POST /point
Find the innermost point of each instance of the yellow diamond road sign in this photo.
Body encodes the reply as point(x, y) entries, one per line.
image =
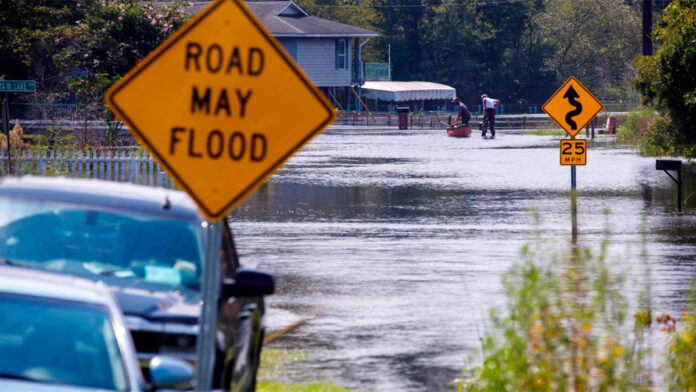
point(572, 106)
point(220, 105)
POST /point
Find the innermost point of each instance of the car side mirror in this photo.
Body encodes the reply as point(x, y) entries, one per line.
point(171, 373)
point(248, 283)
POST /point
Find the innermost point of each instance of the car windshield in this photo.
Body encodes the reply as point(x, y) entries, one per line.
point(59, 342)
point(158, 253)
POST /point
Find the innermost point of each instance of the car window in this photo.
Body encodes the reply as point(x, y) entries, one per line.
point(82, 241)
point(59, 342)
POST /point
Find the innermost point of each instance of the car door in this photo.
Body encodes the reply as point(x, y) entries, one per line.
point(240, 330)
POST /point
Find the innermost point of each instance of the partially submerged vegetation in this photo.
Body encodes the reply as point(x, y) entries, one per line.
point(681, 349)
point(569, 327)
point(653, 134)
point(274, 362)
point(547, 132)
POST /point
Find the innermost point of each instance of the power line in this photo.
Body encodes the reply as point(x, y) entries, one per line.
point(471, 2)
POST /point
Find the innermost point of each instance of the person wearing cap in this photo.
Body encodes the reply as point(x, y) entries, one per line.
point(462, 112)
point(489, 105)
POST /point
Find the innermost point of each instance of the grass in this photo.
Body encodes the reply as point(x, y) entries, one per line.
point(273, 386)
point(274, 362)
point(547, 132)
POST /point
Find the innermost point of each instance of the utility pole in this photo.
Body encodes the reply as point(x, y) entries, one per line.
point(647, 27)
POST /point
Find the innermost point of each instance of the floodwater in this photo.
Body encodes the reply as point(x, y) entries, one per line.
point(392, 243)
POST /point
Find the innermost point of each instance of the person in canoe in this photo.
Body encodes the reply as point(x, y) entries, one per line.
point(462, 112)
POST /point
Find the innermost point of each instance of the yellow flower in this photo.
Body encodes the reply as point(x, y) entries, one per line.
point(686, 338)
point(617, 351)
point(586, 328)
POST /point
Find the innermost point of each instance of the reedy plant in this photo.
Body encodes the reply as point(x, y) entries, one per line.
point(681, 348)
point(565, 328)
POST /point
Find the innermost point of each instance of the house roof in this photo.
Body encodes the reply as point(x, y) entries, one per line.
point(284, 18)
point(406, 91)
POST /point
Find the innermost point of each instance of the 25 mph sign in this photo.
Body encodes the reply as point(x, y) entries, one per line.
point(220, 105)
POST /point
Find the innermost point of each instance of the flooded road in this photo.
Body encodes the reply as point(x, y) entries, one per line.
point(393, 243)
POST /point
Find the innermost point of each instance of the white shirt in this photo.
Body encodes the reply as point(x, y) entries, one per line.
point(489, 103)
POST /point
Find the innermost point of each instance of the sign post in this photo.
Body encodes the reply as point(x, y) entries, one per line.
point(221, 106)
point(15, 86)
point(572, 106)
point(6, 129)
point(210, 292)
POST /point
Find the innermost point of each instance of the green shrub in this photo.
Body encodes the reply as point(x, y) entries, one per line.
point(566, 328)
point(636, 125)
point(668, 78)
point(663, 138)
point(681, 349)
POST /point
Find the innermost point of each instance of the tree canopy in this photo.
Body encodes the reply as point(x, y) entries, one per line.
point(517, 51)
point(668, 78)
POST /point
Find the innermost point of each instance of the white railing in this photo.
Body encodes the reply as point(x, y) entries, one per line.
point(134, 166)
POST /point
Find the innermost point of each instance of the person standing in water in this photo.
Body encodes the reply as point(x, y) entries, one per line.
point(489, 106)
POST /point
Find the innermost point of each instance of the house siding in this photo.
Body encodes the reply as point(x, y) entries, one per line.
point(317, 58)
point(290, 45)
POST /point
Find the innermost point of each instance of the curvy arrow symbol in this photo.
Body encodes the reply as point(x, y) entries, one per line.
point(571, 94)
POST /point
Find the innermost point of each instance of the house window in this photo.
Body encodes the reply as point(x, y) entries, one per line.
point(341, 54)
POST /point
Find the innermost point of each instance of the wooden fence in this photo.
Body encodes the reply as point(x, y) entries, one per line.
point(126, 165)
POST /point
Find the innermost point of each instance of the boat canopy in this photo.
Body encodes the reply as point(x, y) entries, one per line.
point(406, 91)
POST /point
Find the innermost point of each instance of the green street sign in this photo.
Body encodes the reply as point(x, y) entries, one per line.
point(19, 86)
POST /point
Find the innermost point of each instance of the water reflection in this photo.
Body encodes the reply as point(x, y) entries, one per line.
point(394, 243)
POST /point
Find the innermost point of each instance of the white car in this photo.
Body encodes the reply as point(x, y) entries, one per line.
point(62, 333)
point(146, 245)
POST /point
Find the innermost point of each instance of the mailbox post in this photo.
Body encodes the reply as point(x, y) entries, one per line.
point(676, 165)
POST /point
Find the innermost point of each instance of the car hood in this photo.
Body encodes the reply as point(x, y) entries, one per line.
point(162, 306)
point(29, 386)
point(152, 301)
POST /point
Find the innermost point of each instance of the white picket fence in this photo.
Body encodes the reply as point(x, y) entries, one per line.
point(134, 166)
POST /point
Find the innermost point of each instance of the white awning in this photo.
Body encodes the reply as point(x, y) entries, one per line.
point(406, 91)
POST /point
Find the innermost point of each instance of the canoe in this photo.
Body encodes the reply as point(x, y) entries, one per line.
point(459, 131)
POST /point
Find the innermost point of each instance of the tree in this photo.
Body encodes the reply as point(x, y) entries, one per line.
point(594, 40)
point(33, 35)
point(668, 78)
point(353, 12)
point(113, 37)
point(116, 34)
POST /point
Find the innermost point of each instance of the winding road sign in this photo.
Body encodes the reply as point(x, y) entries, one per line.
point(572, 106)
point(220, 105)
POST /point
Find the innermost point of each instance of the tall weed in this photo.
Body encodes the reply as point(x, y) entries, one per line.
point(566, 328)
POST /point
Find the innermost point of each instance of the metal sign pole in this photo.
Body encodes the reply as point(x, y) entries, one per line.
point(679, 189)
point(210, 291)
point(574, 201)
point(6, 126)
point(574, 204)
